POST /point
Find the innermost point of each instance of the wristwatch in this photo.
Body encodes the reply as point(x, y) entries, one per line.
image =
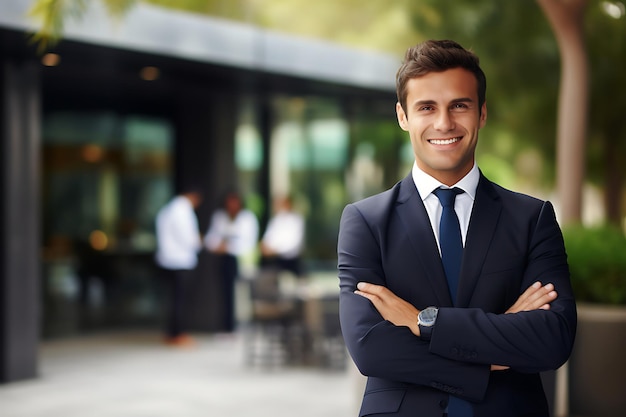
point(426, 321)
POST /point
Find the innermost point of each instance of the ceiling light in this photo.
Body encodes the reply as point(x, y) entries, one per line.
point(51, 60)
point(149, 73)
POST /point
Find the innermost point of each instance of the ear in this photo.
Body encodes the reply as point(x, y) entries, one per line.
point(402, 119)
point(483, 116)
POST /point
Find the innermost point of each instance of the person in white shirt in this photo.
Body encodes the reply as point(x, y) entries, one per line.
point(233, 232)
point(282, 242)
point(178, 244)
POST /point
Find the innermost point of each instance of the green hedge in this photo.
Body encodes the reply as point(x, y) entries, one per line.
point(597, 260)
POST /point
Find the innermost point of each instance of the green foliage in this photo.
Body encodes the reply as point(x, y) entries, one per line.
point(516, 45)
point(522, 68)
point(52, 15)
point(597, 260)
point(497, 170)
point(237, 10)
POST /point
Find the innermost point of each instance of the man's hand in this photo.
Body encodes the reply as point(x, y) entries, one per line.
point(401, 313)
point(390, 306)
point(221, 249)
point(536, 297)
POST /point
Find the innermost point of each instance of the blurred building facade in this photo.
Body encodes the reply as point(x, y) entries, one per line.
point(102, 129)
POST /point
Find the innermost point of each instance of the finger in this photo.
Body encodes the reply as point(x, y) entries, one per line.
point(544, 295)
point(535, 297)
point(539, 293)
point(540, 301)
point(548, 298)
point(372, 297)
point(366, 294)
point(380, 291)
point(369, 288)
point(532, 289)
point(528, 294)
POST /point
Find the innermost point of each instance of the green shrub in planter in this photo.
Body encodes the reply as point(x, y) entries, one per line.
point(597, 260)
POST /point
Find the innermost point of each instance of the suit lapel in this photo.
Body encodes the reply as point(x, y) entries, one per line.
point(412, 213)
point(482, 226)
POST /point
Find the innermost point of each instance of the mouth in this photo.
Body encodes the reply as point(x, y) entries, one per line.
point(448, 141)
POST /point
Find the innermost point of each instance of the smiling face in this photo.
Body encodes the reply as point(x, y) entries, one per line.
point(443, 118)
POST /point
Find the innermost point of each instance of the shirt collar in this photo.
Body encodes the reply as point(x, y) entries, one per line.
point(425, 184)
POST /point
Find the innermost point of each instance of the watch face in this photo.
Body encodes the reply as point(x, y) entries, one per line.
point(428, 316)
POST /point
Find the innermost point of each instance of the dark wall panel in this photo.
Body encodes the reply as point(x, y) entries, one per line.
point(204, 157)
point(19, 233)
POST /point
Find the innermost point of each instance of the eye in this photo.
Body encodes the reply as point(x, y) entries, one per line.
point(425, 107)
point(457, 106)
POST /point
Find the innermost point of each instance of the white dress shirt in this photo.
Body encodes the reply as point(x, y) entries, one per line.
point(178, 236)
point(463, 204)
point(285, 234)
point(241, 233)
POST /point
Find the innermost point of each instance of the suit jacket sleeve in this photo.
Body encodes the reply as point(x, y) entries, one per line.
point(530, 341)
point(378, 348)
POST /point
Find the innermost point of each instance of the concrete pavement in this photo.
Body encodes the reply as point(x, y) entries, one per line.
point(132, 374)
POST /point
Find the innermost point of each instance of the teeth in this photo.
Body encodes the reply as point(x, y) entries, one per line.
point(444, 141)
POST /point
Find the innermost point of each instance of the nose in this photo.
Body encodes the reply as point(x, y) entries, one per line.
point(444, 122)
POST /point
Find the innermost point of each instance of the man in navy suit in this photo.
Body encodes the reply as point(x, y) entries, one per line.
point(476, 351)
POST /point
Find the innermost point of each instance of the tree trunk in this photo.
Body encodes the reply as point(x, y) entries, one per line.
point(566, 19)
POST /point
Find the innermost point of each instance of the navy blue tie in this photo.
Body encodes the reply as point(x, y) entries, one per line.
point(450, 238)
point(451, 245)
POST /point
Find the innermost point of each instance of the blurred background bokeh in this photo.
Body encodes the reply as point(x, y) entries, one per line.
point(110, 107)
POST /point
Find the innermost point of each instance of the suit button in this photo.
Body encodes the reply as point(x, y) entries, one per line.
point(443, 404)
point(454, 351)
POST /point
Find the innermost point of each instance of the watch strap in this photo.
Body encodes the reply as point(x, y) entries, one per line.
point(425, 332)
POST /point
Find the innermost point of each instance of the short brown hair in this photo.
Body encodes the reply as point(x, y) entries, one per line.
point(438, 56)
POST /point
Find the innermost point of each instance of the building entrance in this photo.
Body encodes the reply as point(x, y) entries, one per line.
point(104, 176)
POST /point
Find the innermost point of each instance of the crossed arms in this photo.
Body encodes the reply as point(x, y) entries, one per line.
point(401, 313)
point(383, 289)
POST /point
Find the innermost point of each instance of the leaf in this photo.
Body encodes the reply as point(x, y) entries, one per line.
point(52, 15)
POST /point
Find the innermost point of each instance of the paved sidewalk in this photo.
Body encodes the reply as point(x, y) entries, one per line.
point(134, 375)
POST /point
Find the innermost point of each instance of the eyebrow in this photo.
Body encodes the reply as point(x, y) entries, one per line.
point(431, 102)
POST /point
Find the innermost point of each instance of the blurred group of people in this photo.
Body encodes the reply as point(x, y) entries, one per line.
point(233, 232)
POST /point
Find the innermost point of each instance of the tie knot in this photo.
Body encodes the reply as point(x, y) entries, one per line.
point(447, 195)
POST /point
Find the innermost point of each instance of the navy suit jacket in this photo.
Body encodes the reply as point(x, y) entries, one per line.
point(513, 240)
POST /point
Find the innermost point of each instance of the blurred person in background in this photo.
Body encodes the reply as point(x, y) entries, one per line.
point(178, 242)
point(452, 324)
point(233, 232)
point(283, 240)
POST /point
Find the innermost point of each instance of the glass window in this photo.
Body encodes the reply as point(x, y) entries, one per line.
point(104, 178)
point(323, 159)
